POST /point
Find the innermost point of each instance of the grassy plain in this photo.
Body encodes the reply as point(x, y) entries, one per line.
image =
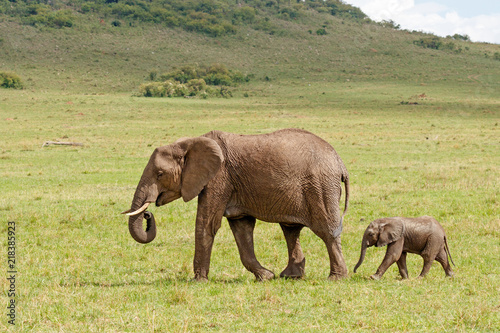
point(80, 271)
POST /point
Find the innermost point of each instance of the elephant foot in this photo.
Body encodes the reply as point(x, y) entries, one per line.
point(294, 271)
point(200, 279)
point(290, 275)
point(200, 276)
point(338, 273)
point(336, 277)
point(264, 275)
point(375, 277)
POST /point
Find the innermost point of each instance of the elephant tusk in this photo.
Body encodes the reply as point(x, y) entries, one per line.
point(126, 211)
point(140, 210)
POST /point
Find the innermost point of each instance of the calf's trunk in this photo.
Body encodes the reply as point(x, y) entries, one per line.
point(363, 252)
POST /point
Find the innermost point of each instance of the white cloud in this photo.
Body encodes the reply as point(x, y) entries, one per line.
point(385, 9)
point(433, 17)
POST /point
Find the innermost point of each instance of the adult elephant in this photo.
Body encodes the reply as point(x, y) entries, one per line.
point(291, 177)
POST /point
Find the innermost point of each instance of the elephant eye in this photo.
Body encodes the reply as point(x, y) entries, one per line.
point(160, 173)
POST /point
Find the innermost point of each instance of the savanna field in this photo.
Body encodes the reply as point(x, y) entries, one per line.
point(417, 128)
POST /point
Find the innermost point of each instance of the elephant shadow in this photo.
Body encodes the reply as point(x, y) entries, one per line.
point(161, 282)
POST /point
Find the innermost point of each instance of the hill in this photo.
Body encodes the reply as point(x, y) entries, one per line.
point(104, 50)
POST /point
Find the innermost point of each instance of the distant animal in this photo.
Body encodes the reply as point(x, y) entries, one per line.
point(422, 235)
point(291, 177)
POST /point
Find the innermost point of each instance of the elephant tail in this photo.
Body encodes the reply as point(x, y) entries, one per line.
point(448, 250)
point(345, 179)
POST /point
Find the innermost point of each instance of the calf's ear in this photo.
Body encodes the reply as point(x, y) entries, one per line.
point(390, 232)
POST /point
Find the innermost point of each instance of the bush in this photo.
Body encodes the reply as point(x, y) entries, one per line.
point(196, 85)
point(218, 79)
point(172, 89)
point(321, 32)
point(183, 75)
point(435, 43)
point(464, 38)
point(244, 14)
point(289, 13)
point(180, 90)
point(10, 80)
point(429, 43)
point(152, 89)
point(191, 80)
point(61, 19)
point(390, 24)
point(42, 15)
point(215, 74)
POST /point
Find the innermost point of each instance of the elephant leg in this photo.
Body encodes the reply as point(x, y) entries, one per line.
point(393, 254)
point(243, 234)
point(204, 239)
point(442, 258)
point(296, 260)
point(338, 269)
point(428, 259)
point(208, 222)
point(403, 270)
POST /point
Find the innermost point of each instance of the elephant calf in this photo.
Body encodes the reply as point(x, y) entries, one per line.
point(422, 235)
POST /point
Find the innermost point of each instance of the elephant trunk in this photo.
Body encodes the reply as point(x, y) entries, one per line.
point(364, 245)
point(136, 229)
point(135, 221)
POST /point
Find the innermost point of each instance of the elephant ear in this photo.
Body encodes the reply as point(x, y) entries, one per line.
point(390, 232)
point(203, 158)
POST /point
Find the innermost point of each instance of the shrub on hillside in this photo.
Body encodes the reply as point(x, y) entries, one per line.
point(61, 19)
point(40, 14)
point(290, 13)
point(244, 14)
point(390, 24)
point(464, 38)
point(321, 32)
point(10, 80)
point(435, 43)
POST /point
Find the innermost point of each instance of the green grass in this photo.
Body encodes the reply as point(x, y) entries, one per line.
point(78, 268)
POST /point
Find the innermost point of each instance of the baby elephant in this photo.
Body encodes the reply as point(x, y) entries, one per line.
point(422, 235)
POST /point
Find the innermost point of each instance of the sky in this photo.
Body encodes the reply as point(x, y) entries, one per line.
point(479, 19)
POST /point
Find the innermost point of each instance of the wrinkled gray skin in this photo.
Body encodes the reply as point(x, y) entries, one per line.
point(422, 235)
point(290, 177)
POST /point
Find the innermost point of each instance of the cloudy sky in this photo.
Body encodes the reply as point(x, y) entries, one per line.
point(480, 19)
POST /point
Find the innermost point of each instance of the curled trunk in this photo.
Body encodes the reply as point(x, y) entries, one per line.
point(136, 229)
point(142, 196)
point(363, 252)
